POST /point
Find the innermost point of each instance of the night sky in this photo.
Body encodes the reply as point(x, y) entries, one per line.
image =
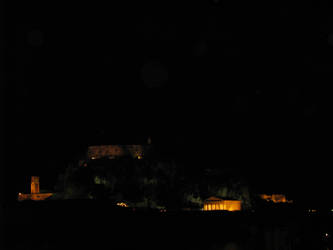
point(235, 86)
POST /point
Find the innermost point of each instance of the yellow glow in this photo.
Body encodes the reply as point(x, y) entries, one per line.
point(122, 204)
point(139, 157)
point(276, 198)
point(219, 204)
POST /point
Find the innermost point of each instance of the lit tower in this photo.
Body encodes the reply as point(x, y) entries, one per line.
point(35, 184)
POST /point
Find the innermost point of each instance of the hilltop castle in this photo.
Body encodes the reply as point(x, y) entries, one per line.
point(117, 151)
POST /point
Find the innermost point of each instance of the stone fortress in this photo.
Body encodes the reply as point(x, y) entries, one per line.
point(116, 151)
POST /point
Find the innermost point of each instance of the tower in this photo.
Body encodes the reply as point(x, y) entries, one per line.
point(35, 184)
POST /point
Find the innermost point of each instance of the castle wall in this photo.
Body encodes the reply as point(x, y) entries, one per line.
point(114, 151)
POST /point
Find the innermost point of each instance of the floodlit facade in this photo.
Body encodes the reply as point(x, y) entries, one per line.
point(215, 203)
point(276, 198)
point(35, 192)
point(35, 184)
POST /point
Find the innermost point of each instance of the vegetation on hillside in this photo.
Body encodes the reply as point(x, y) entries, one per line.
point(149, 183)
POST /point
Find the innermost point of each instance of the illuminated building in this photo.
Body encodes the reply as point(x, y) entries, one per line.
point(34, 184)
point(215, 203)
point(35, 192)
point(122, 204)
point(276, 198)
point(115, 151)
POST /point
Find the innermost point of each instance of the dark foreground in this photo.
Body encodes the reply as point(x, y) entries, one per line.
point(98, 225)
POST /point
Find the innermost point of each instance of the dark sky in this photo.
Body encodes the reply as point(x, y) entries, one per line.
point(220, 81)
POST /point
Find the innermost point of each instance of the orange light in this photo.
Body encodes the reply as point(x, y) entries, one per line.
point(122, 204)
point(229, 205)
